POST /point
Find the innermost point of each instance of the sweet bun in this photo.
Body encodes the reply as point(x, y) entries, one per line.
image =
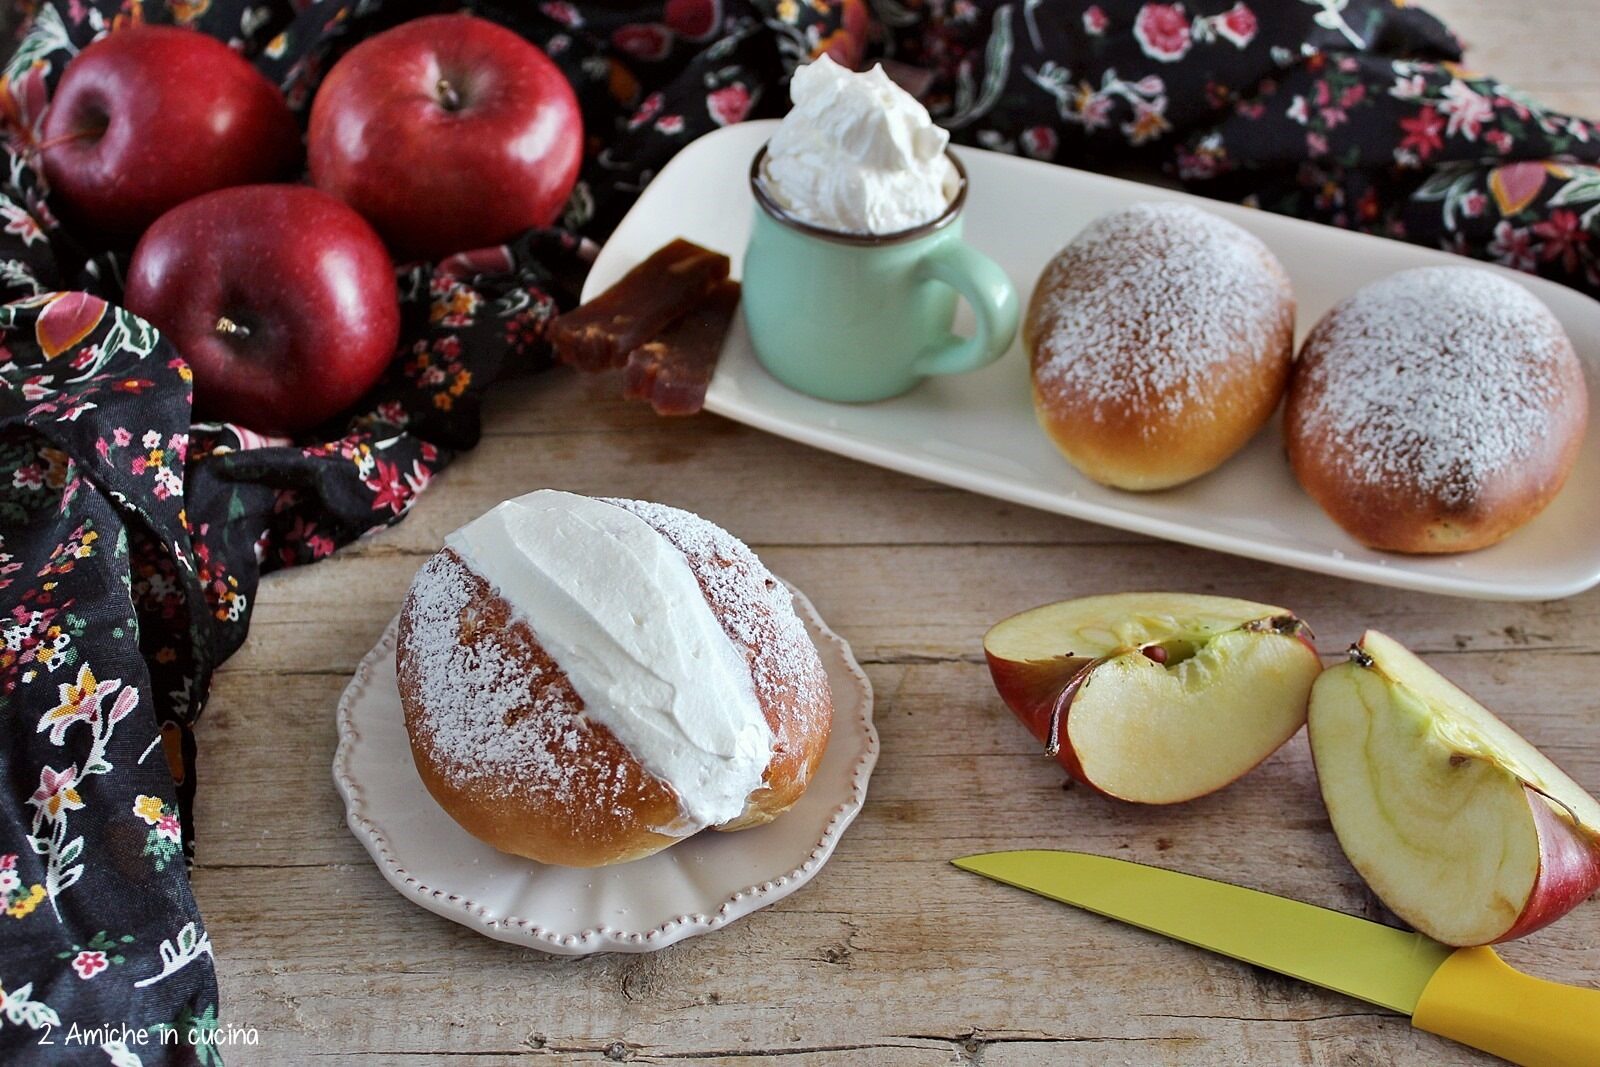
point(1435, 410)
point(586, 682)
point(1161, 340)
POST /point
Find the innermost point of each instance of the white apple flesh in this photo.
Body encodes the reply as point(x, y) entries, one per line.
point(1460, 826)
point(1155, 698)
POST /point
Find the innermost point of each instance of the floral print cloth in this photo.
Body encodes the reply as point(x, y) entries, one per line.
point(132, 542)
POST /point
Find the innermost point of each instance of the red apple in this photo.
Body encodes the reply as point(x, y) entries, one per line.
point(448, 133)
point(1155, 697)
point(151, 116)
point(1459, 825)
point(280, 297)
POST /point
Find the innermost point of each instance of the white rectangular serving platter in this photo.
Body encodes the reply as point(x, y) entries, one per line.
point(977, 431)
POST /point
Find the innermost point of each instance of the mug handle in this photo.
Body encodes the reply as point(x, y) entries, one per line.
point(994, 306)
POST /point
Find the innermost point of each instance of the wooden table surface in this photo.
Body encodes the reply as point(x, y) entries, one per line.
point(889, 956)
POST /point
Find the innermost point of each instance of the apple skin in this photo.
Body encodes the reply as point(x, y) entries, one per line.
point(1569, 870)
point(178, 114)
point(448, 133)
point(304, 276)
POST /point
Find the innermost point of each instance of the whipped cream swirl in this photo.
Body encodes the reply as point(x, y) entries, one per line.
point(858, 154)
point(620, 611)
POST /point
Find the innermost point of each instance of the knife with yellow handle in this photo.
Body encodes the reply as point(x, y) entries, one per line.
point(1468, 994)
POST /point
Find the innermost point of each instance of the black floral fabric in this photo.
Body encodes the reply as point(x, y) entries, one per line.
point(132, 542)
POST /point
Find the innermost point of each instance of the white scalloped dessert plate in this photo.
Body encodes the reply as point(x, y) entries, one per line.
point(977, 431)
point(697, 885)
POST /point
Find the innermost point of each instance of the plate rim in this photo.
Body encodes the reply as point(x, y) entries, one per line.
point(1392, 570)
point(605, 938)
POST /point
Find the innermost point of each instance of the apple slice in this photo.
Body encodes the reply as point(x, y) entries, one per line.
point(1461, 827)
point(1155, 697)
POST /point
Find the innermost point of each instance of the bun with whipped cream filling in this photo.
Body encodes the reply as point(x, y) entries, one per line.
point(588, 681)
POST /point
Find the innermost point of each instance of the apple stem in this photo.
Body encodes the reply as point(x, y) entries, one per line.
point(228, 328)
point(449, 99)
point(65, 138)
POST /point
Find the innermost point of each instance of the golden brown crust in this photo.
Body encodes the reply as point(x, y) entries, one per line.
point(1478, 423)
point(1161, 341)
point(549, 783)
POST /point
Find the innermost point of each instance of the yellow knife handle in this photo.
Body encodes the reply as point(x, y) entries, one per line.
point(1478, 999)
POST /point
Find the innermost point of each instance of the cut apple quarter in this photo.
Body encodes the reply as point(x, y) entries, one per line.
point(1460, 826)
point(1155, 697)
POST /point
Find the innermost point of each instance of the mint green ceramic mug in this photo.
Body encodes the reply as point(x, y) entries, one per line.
point(861, 317)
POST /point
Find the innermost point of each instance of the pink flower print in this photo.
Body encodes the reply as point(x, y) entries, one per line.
point(89, 963)
point(1316, 144)
point(10, 881)
point(28, 477)
point(1094, 110)
point(22, 224)
point(1422, 132)
point(79, 701)
point(729, 104)
point(1473, 204)
point(564, 13)
point(1162, 30)
point(56, 793)
point(1237, 25)
point(671, 125)
point(1039, 142)
point(389, 488)
point(647, 110)
point(1563, 238)
point(1468, 110)
point(1408, 88)
point(1513, 246)
point(1352, 95)
point(1095, 21)
point(168, 827)
point(648, 42)
point(1499, 140)
point(121, 436)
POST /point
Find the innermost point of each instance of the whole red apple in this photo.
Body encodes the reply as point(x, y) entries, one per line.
point(281, 298)
point(448, 133)
point(151, 116)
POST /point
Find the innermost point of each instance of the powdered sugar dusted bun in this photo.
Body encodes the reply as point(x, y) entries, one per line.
point(587, 681)
point(1161, 340)
point(1436, 410)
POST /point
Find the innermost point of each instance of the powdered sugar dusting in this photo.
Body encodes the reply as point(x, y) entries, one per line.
point(756, 609)
point(1438, 378)
point(489, 717)
point(1146, 302)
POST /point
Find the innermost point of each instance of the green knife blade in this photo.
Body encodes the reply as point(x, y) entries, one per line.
point(1362, 959)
